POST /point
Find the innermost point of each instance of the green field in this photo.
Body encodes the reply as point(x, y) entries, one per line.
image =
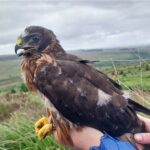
point(18, 113)
point(19, 109)
point(131, 77)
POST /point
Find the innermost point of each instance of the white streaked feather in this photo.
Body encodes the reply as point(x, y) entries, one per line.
point(103, 98)
point(126, 95)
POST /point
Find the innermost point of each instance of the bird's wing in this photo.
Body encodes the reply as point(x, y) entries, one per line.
point(100, 77)
point(112, 81)
point(70, 57)
point(84, 97)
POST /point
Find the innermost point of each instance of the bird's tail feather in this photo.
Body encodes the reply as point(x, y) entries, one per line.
point(138, 107)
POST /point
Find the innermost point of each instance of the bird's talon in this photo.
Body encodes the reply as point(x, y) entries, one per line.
point(44, 131)
point(40, 123)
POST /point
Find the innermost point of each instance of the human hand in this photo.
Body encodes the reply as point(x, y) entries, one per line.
point(84, 139)
point(143, 138)
point(87, 137)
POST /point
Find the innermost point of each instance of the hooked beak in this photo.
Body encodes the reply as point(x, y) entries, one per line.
point(19, 45)
point(21, 49)
point(17, 48)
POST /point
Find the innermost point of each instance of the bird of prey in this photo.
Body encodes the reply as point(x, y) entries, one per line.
point(74, 92)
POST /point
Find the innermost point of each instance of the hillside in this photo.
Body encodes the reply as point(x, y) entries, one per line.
point(117, 56)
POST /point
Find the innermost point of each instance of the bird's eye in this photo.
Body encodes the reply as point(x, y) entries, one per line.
point(35, 39)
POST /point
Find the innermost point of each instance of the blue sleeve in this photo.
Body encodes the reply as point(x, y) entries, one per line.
point(110, 143)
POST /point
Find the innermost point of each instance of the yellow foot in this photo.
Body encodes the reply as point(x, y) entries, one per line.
point(43, 128)
point(44, 131)
point(40, 123)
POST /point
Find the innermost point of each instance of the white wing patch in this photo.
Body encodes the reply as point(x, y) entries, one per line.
point(126, 95)
point(103, 98)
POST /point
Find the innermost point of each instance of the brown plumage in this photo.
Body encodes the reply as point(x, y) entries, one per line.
point(28, 68)
point(76, 93)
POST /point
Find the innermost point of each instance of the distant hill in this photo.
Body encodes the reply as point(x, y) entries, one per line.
point(119, 56)
point(118, 53)
point(8, 57)
point(142, 52)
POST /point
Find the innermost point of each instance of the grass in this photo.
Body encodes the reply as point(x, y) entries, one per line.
point(18, 115)
point(9, 73)
point(18, 133)
point(9, 69)
point(131, 77)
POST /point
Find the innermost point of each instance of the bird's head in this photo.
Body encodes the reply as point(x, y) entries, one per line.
point(34, 40)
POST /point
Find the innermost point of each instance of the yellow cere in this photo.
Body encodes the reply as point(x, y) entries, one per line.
point(19, 41)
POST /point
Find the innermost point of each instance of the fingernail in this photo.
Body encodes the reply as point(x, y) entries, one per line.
point(138, 137)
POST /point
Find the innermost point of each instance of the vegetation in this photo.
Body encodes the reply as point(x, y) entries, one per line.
point(19, 109)
point(131, 77)
point(18, 113)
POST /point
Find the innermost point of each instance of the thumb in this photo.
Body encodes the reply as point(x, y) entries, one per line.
point(143, 138)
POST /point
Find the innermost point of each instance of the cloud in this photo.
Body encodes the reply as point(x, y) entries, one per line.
point(78, 24)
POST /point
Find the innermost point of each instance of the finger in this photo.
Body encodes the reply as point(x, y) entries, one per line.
point(143, 138)
point(143, 118)
point(146, 122)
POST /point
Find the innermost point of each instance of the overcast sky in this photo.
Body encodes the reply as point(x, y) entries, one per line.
point(78, 24)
